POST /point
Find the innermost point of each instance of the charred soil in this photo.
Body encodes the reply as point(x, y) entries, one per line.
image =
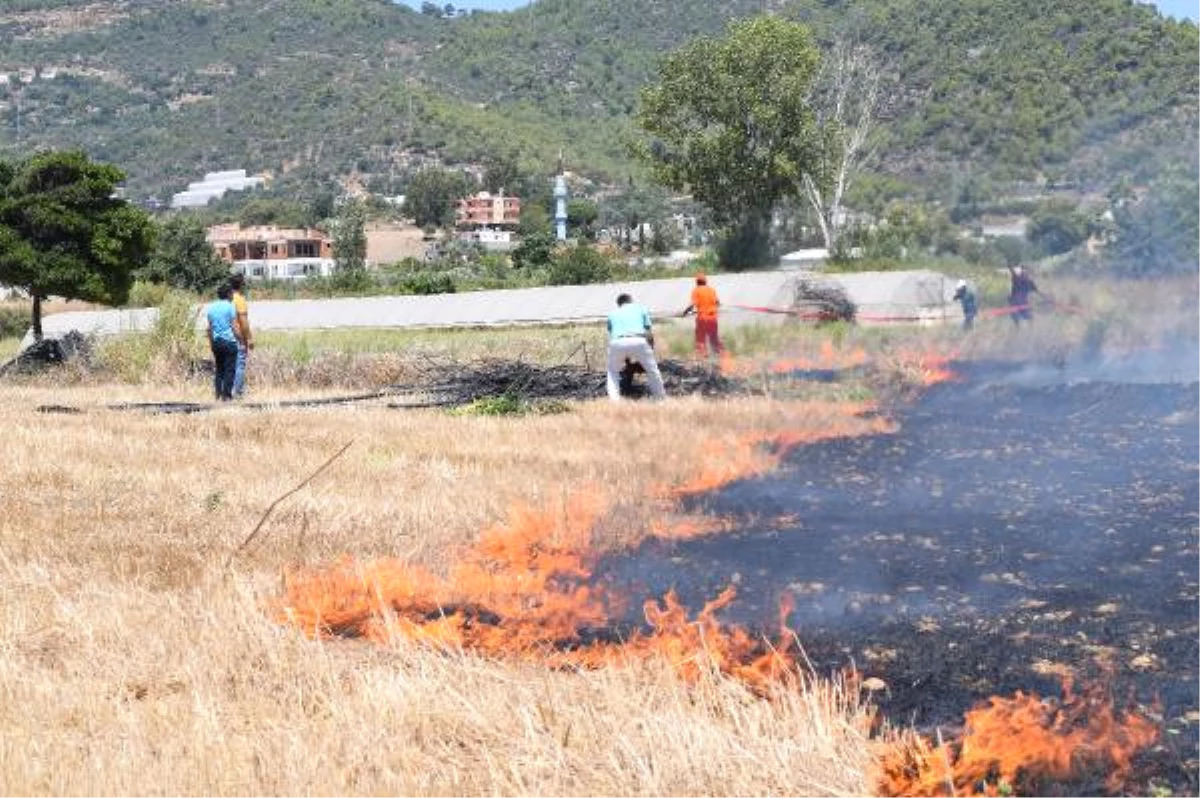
point(1022, 526)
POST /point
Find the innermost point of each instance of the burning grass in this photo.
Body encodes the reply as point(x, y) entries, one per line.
point(133, 663)
point(1024, 745)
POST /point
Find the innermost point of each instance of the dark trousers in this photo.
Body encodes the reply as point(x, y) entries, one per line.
point(706, 333)
point(225, 354)
point(1022, 310)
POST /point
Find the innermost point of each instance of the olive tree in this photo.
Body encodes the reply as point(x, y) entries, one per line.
point(64, 232)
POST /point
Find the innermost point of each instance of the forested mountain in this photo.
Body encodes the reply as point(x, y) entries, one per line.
point(308, 90)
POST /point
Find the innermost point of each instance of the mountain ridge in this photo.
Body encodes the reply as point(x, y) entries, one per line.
point(313, 90)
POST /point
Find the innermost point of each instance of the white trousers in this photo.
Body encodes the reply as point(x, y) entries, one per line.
point(639, 351)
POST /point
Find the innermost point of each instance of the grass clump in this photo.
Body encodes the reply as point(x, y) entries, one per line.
point(167, 352)
point(511, 404)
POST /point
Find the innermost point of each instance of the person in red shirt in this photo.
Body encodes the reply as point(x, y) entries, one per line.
point(705, 305)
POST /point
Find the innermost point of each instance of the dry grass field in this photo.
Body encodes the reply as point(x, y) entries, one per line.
point(133, 662)
point(140, 652)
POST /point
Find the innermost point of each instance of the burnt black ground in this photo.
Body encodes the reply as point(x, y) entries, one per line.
point(1023, 518)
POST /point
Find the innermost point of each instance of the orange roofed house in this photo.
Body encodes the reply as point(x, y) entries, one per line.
point(273, 253)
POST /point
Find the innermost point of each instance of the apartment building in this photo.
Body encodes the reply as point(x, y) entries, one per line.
point(273, 253)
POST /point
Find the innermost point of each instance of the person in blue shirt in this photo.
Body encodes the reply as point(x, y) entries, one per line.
point(225, 338)
point(631, 338)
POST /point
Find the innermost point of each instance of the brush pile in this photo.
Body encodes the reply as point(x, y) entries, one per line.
point(453, 384)
point(49, 352)
point(822, 300)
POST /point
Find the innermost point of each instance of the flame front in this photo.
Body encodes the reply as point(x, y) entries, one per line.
point(521, 593)
point(1021, 745)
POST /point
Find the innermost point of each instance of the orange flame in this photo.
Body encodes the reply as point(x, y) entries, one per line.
point(753, 454)
point(829, 358)
point(522, 589)
point(1019, 743)
point(930, 368)
point(520, 593)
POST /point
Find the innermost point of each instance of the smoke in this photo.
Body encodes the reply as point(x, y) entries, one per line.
point(1023, 483)
point(1168, 363)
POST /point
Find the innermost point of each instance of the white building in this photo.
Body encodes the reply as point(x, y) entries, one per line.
point(491, 240)
point(214, 186)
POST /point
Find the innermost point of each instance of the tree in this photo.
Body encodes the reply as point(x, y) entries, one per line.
point(534, 251)
point(579, 265)
point(624, 213)
point(276, 211)
point(183, 258)
point(501, 172)
point(846, 101)
point(732, 120)
point(432, 196)
point(1160, 234)
point(350, 244)
point(581, 217)
point(63, 232)
point(1056, 227)
point(534, 219)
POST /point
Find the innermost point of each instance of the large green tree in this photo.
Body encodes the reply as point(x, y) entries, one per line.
point(732, 122)
point(183, 258)
point(64, 232)
point(432, 196)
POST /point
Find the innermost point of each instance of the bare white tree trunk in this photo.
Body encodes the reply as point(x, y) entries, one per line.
point(847, 103)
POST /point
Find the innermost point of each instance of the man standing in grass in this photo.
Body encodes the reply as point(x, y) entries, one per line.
point(970, 307)
point(705, 305)
point(630, 338)
point(224, 338)
point(1018, 296)
point(242, 307)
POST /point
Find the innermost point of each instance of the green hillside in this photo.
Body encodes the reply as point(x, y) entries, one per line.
point(309, 90)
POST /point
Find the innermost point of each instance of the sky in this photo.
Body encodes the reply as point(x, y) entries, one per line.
point(1181, 9)
point(1189, 9)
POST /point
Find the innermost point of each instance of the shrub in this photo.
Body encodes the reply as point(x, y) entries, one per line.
point(427, 282)
point(511, 404)
point(146, 294)
point(14, 320)
point(579, 265)
point(167, 350)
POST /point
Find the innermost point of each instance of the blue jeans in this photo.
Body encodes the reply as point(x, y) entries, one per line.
point(239, 375)
point(224, 367)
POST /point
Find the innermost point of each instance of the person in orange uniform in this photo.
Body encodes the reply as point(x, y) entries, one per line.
point(705, 305)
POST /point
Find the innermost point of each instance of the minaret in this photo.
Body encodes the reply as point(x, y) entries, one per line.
point(560, 202)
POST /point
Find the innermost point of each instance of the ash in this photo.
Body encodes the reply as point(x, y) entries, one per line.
point(1012, 530)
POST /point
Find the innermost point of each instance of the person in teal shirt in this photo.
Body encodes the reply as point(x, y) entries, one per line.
point(631, 337)
point(224, 338)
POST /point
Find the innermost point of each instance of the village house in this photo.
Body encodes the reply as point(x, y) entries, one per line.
point(488, 210)
point(273, 253)
point(488, 220)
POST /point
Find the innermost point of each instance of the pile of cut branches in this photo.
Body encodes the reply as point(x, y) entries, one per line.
point(823, 300)
point(49, 352)
point(457, 383)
